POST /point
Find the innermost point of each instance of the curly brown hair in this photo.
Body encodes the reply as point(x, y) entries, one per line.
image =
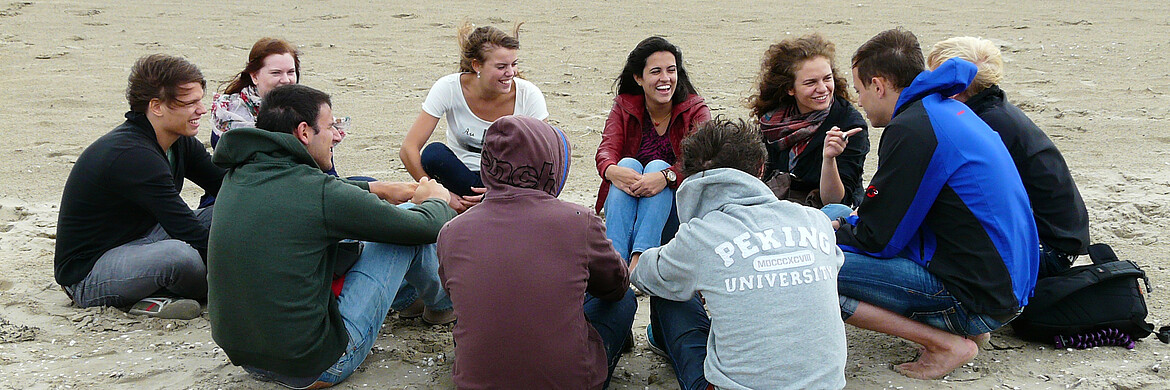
point(778, 72)
point(723, 143)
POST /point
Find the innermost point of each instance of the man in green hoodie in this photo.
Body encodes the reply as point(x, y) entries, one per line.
point(272, 253)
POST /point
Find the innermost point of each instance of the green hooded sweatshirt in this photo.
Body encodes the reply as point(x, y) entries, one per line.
point(272, 249)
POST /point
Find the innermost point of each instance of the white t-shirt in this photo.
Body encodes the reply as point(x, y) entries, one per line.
point(464, 129)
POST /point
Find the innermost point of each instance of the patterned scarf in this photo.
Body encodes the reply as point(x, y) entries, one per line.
point(789, 129)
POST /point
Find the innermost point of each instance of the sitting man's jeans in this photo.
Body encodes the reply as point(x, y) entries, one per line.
point(441, 164)
point(635, 224)
point(365, 299)
point(902, 286)
point(1053, 261)
point(141, 268)
point(680, 329)
point(612, 320)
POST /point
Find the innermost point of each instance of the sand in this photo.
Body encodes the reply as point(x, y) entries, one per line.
point(1091, 74)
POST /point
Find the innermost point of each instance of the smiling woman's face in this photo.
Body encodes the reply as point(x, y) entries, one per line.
point(813, 85)
point(659, 77)
point(278, 69)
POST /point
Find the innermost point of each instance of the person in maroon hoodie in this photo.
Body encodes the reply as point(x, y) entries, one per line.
point(543, 299)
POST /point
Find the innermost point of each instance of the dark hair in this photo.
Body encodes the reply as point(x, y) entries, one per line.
point(778, 72)
point(158, 76)
point(475, 43)
point(286, 106)
point(636, 63)
point(722, 143)
point(261, 50)
point(893, 54)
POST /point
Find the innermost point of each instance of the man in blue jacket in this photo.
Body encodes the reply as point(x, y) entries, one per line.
point(943, 248)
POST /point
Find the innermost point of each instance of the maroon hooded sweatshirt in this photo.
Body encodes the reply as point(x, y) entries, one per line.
point(517, 267)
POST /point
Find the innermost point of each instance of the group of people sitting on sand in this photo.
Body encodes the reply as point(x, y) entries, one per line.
point(756, 240)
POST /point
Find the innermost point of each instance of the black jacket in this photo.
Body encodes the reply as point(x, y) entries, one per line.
point(808, 163)
point(122, 186)
point(1061, 218)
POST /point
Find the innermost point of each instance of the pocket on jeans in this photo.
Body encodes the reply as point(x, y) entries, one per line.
point(945, 319)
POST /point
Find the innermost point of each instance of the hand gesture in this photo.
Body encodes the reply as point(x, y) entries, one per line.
point(836, 141)
point(462, 203)
point(395, 193)
point(430, 189)
point(622, 178)
point(649, 185)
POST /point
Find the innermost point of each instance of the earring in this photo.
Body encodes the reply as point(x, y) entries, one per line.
point(477, 75)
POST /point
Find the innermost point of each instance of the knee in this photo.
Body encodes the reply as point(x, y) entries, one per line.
point(182, 259)
point(434, 153)
point(630, 162)
point(656, 166)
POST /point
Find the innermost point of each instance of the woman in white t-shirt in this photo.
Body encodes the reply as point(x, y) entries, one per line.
point(485, 89)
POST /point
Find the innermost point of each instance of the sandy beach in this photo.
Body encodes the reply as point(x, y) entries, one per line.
point(1092, 74)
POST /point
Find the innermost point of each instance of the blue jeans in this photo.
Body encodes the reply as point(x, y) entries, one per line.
point(365, 299)
point(902, 286)
point(635, 224)
point(143, 267)
point(441, 164)
point(612, 320)
point(836, 210)
point(681, 329)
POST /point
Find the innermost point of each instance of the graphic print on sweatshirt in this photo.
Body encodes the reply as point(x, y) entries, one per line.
point(779, 257)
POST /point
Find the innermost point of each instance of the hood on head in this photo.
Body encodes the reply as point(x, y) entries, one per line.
point(524, 152)
point(949, 79)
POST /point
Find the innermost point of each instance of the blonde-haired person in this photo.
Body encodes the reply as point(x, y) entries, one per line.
point(485, 88)
point(816, 139)
point(1061, 218)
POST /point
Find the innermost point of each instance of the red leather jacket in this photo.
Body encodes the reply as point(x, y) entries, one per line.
point(623, 133)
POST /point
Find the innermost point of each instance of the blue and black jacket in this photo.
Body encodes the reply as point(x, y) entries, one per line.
point(947, 196)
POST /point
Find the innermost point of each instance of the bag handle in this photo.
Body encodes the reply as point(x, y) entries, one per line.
point(1052, 289)
point(1102, 253)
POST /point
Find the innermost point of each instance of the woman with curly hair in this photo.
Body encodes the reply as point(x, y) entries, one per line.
point(803, 106)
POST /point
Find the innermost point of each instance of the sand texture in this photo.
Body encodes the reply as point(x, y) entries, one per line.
point(1092, 74)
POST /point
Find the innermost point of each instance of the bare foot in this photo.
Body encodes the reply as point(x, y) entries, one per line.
point(935, 364)
point(982, 340)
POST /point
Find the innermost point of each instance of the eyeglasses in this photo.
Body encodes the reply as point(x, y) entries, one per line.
point(341, 124)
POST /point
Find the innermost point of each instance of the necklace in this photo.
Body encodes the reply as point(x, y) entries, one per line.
point(658, 122)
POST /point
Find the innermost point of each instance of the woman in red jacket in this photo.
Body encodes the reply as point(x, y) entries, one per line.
point(655, 108)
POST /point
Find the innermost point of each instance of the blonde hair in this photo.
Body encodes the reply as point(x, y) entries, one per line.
point(475, 42)
point(981, 52)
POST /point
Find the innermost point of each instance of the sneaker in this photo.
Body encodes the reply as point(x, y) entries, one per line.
point(438, 317)
point(413, 311)
point(653, 344)
point(169, 308)
point(629, 344)
point(295, 383)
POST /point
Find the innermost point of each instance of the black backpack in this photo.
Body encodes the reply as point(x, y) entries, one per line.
point(1108, 294)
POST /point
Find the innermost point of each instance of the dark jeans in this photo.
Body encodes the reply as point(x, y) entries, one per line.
point(612, 320)
point(1053, 261)
point(681, 329)
point(440, 163)
point(138, 269)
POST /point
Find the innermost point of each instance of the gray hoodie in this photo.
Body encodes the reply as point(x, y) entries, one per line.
point(768, 271)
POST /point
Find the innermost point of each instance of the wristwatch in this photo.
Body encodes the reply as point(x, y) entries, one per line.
point(669, 175)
